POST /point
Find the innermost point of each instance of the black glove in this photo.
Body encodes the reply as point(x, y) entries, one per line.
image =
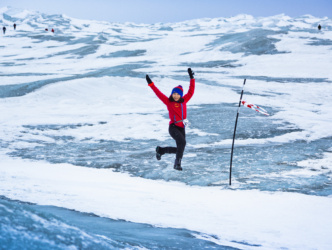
point(191, 73)
point(148, 79)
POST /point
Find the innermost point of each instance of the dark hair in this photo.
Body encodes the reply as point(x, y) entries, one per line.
point(181, 100)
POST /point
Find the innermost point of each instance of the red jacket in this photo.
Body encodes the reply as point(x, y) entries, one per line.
point(177, 110)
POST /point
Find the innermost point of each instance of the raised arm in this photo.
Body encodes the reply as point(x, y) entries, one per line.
point(191, 90)
point(158, 93)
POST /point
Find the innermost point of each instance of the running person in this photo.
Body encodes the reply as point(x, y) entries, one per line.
point(177, 109)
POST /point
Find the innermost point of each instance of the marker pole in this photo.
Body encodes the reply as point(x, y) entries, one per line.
point(237, 116)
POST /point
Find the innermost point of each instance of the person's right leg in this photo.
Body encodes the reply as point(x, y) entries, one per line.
point(164, 150)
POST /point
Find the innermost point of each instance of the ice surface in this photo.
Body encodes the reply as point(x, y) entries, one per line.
point(270, 220)
point(32, 226)
point(79, 125)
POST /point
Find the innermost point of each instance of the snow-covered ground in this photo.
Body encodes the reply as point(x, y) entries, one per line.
point(79, 126)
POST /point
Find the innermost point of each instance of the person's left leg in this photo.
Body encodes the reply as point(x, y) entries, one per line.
point(179, 135)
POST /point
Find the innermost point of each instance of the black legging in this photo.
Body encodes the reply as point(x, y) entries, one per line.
point(179, 135)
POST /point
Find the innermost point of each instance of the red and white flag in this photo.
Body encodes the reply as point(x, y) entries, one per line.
point(255, 107)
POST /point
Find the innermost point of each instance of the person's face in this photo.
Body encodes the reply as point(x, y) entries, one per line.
point(176, 96)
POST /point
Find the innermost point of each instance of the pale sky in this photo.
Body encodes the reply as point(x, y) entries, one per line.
point(153, 11)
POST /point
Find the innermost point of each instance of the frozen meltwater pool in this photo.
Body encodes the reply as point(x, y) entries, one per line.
point(263, 164)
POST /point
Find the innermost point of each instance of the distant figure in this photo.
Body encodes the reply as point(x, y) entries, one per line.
point(53, 30)
point(319, 27)
point(4, 30)
point(46, 29)
point(14, 26)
